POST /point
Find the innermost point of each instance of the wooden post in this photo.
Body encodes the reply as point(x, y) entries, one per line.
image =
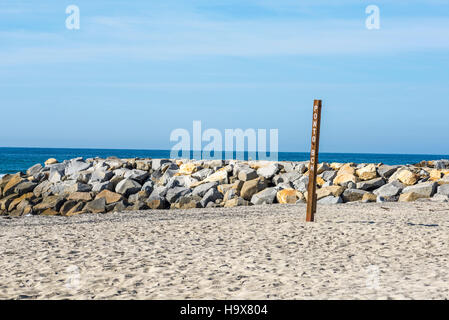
point(311, 197)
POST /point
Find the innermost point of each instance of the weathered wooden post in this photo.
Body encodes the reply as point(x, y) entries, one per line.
point(311, 197)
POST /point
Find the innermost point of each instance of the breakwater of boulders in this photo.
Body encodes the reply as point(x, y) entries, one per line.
point(97, 185)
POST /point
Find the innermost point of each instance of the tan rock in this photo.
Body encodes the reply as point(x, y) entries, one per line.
point(368, 172)
point(50, 161)
point(407, 177)
point(345, 177)
point(220, 175)
point(289, 196)
point(80, 196)
point(320, 181)
point(410, 196)
point(435, 174)
point(50, 212)
point(187, 168)
point(235, 202)
point(16, 201)
point(251, 187)
point(223, 188)
point(75, 210)
point(109, 196)
point(369, 197)
point(336, 166)
point(12, 183)
point(6, 201)
point(335, 191)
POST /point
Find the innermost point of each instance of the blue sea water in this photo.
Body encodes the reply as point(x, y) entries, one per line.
point(20, 159)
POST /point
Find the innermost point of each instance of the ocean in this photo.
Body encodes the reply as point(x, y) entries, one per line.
point(13, 160)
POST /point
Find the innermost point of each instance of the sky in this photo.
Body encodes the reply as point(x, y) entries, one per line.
point(135, 71)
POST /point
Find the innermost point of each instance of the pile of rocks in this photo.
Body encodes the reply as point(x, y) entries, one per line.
point(105, 185)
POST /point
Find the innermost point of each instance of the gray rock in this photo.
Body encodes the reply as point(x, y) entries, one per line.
point(96, 206)
point(56, 174)
point(444, 189)
point(137, 175)
point(75, 166)
point(211, 196)
point(127, 187)
point(441, 164)
point(202, 174)
point(174, 194)
point(389, 190)
point(100, 186)
point(101, 175)
point(247, 174)
point(60, 187)
point(287, 177)
point(386, 171)
point(202, 189)
point(78, 187)
point(330, 200)
point(266, 196)
point(350, 195)
point(328, 175)
point(426, 189)
point(440, 198)
point(287, 166)
point(148, 186)
point(42, 189)
point(301, 184)
point(157, 163)
point(370, 185)
point(268, 171)
point(34, 170)
point(25, 187)
point(301, 167)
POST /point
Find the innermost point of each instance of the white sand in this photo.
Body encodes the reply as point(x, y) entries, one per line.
point(362, 251)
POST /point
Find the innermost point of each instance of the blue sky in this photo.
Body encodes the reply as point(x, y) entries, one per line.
point(137, 70)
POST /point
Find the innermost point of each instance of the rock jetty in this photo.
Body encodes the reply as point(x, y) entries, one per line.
point(97, 185)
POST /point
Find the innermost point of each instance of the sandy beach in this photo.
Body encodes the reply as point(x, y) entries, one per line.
point(353, 251)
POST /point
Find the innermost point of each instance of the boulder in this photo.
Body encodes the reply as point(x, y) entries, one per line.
point(76, 209)
point(370, 185)
point(109, 196)
point(74, 166)
point(13, 182)
point(440, 198)
point(328, 175)
point(187, 168)
point(34, 170)
point(266, 196)
point(350, 195)
point(100, 186)
point(268, 171)
point(157, 202)
point(344, 179)
point(67, 206)
point(13, 204)
point(236, 202)
point(252, 187)
point(56, 174)
point(50, 202)
point(386, 171)
point(369, 197)
point(330, 200)
point(211, 196)
point(96, 206)
point(140, 196)
point(324, 192)
point(289, 177)
point(148, 186)
point(42, 189)
point(410, 196)
point(425, 190)
point(407, 177)
point(301, 184)
point(175, 193)
point(25, 187)
point(80, 196)
point(202, 189)
point(100, 175)
point(323, 167)
point(6, 201)
point(444, 189)
point(202, 174)
point(288, 196)
point(368, 172)
point(435, 175)
point(50, 161)
point(126, 187)
point(157, 163)
point(137, 175)
point(389, 190)
point(78, 187)
point(247, 174)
